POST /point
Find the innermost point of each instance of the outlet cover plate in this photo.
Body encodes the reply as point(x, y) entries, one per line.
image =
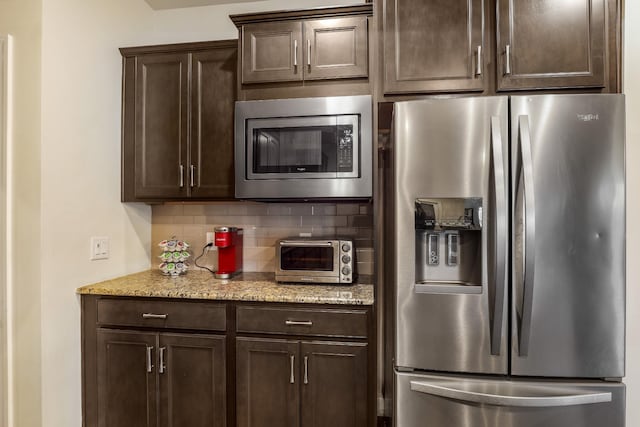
point(99, 248)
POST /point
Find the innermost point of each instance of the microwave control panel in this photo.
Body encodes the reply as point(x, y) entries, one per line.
point(345, 149)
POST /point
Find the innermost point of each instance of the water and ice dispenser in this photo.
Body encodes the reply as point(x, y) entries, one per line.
point(448, 242)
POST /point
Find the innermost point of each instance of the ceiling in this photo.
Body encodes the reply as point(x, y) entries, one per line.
point(177, 4)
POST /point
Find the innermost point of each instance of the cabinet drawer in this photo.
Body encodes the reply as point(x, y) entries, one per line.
point(162, 314)
point(302, 321)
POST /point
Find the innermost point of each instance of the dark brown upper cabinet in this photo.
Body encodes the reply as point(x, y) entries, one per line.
point(271, 52)
point(335, 48)
point(177, 129)
point(503, 45)
point(551, 44)
point(434, 46)
point(304, 45)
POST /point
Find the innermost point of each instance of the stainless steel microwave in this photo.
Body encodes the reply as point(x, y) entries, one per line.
point(315, 260)
point(304, 148)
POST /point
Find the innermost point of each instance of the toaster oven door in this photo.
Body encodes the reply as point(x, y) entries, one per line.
point(302, 261)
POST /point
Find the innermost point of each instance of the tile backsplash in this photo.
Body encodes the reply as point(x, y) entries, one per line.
point(263, 224)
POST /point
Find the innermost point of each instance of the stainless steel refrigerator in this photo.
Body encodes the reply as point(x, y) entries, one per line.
point(509, 231)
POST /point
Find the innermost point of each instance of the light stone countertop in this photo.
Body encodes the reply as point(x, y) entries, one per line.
point(200, 284)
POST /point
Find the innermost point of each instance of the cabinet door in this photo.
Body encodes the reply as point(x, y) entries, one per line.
point(211, 172)
point(161, 125)
point(272, 52)
point(334, 384)
point(434, 46)
point(551, 44)
point(191, 371)
point(267, 380)
point(126, 379)
point(335, 48)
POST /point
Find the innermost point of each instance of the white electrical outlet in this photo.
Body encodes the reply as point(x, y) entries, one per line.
point(211, 236)
point(99, 248)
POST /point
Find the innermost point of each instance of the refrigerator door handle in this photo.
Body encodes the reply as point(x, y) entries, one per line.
point(524, 145)
point(500, 249)
point(531, 398)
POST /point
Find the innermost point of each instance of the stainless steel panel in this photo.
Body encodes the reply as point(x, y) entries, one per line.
point(285, 188)
point(575, 301)
point(442, 149)
point(445, 401)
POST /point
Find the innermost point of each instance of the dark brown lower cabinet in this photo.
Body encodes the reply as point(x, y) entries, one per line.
point(148, 379)
point(193, 381)
point(126, 384)
point(334, 384)
point(267, 382)
point(291, 383)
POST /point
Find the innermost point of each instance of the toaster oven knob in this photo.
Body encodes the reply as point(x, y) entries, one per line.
point(346, 259)
point(346, 248)
point(346, 271)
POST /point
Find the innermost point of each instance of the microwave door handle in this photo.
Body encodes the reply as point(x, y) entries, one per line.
point(306, 244)
point(500, 250)
point(524, 145)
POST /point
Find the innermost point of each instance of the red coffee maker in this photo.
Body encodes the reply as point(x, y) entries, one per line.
point(228, 240)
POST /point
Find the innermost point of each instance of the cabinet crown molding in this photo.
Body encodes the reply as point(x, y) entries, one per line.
point(320, 12)
point(178, 47)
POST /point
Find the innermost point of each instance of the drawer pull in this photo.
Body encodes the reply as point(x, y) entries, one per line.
point(298, 322)
point(162, 367)
point(149, 362)
point(154, 316)
point(292, 379)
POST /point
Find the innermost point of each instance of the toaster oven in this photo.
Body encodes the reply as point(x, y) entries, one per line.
point(315, 261)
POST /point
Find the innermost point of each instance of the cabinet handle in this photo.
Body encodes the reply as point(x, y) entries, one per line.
point(306, 370)
point(309, 53)
point(149, 362)
point(154, 316)
point(507, 60)
point(193, 174)
point(295, 53)
point(298, 322)
point(181, 176)
point(479, 61)
point(162, 367)
point(292, 379)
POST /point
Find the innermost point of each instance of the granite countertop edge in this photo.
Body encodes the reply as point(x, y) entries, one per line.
point(255, 287)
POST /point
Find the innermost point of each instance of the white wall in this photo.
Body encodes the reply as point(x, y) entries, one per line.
point(22, 20)
point(632, 91)
point(81, 71)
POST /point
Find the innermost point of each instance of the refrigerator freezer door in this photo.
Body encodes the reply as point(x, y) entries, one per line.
point(568, 186)
point(449, 156)
point(444, 401)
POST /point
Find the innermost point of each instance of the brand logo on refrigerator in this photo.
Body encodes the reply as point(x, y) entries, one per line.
point(588, 117)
